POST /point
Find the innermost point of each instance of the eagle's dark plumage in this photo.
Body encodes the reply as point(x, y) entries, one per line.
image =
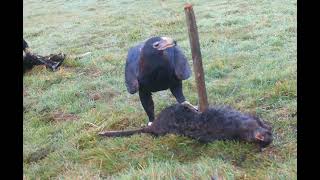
point(155, 65)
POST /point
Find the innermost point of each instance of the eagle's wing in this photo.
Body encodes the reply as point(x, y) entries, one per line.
point(132, 68)
point(180, 63)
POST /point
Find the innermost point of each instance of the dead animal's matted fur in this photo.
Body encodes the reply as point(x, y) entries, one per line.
point(216, 123)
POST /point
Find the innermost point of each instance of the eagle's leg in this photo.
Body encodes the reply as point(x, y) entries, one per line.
point(147, 103)
point(178, 94)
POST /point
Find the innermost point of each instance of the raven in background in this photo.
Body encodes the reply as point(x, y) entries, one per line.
point(154, 65)
point(30, 59)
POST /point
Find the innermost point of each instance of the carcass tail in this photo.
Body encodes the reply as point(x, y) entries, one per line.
point(123, 133)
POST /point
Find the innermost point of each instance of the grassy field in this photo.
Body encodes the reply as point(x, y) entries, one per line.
point(249, 56)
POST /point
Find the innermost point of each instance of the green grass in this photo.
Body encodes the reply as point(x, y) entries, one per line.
point(249, 57)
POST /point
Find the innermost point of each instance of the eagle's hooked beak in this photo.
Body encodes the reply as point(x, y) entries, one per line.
point(164, 43)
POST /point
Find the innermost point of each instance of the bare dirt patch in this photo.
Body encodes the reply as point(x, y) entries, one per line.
point(60, 116)
point(38, 155)
point(92, 72)
point(106, 94)
point(25, 92)
point(95, 96)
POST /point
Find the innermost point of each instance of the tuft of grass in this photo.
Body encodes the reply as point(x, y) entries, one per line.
point(249, 58)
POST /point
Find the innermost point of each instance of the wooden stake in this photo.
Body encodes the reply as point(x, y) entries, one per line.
point(196, 57)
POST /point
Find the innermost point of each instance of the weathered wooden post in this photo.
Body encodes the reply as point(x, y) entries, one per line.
point(196, 57)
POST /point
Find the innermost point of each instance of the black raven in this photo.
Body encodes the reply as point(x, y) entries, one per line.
point(154, 65)
point(31, 59)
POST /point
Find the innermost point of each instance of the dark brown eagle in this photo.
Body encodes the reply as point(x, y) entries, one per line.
point(154, 65)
